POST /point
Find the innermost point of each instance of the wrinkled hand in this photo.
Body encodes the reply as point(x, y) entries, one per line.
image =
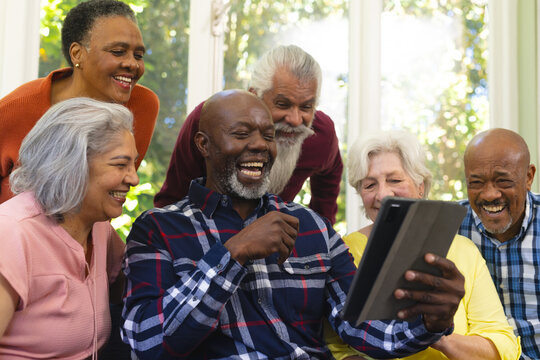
point(439, 304)
point(271, 233)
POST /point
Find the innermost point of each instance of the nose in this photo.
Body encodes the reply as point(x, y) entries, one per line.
point(383, 192)
point(491, 192)
point(132, 178)
point(131, 63)
point(258, 143)
point(294, 117)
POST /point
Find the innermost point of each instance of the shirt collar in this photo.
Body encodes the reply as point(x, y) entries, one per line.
point(527, 220)
point(209, 200)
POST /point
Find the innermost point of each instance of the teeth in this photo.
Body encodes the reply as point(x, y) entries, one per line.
point(123, 78)
point(251, 173)
point(118, 194)
point(252, 164)
point(493, 208)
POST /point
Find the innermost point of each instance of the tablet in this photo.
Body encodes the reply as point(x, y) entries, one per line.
point(404, 230)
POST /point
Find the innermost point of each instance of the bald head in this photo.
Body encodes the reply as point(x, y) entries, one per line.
point(499, 175)
point(499, 140)
point(227, 103)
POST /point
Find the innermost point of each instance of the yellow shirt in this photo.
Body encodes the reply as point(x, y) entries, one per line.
point(479, 313)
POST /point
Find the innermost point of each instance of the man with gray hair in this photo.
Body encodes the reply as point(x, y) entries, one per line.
point(288, 80)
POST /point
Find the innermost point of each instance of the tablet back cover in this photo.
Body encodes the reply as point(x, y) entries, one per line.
point(385, 229)
point(428, 226)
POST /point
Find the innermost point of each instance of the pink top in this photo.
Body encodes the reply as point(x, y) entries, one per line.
point(55, 316)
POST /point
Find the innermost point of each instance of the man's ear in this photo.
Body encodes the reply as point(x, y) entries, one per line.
point(530, 176)
point(76, 53)
point(201, 141)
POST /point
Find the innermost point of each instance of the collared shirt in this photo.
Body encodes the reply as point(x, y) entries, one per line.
point(187, 298)
point(515, 269)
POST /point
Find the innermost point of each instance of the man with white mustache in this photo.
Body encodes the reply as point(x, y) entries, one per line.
point(503, 221)
point(288, 80)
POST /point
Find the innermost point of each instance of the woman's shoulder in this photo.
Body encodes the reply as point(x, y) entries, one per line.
point(141, 92)
point(464, 253)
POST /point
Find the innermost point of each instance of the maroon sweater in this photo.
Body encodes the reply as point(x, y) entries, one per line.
point(320, 161)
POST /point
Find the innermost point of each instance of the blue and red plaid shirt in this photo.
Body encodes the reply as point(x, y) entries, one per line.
point(187, 298)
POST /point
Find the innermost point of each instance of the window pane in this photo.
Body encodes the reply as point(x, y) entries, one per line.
point(434, 81)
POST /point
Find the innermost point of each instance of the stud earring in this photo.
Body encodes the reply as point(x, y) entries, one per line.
point(77, 66)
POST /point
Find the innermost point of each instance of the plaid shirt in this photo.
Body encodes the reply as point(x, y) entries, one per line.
point(515, 268)
point(187, 298)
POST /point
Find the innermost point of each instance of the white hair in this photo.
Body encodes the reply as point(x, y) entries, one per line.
point(402, 143)
point(54, 156)
point(302, 65)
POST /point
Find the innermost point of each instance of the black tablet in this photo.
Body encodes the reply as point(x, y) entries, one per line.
point(404, 230)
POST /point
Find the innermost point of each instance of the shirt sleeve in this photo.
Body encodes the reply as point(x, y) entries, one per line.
point(325, 183)
point(14, 265)
point(171, 307)
point(376, 338)
point(186, 163)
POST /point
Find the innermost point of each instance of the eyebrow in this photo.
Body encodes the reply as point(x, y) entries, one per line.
point(124, 45)
point(124, 157)
point(283, 97)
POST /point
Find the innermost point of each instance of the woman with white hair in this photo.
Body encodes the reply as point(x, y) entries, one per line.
point(392, 163)
point(58, 251)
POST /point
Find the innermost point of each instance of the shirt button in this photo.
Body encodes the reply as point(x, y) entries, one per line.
point(219, 266)
point(195, 298)
point(306, 267)
point(259, 300)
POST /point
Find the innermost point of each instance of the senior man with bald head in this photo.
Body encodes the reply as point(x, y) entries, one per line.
point(503, 221)
point(234, 272)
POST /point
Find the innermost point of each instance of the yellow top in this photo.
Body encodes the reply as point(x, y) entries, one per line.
point(479, 313)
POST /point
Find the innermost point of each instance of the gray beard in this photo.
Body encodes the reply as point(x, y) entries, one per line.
point(500, 231)
point(236, 189)
point(288, 153)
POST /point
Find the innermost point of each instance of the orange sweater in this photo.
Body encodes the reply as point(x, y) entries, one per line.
point(24, 106)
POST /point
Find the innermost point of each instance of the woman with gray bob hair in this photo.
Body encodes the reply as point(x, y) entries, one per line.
point(402, 143)
point(54, 156)
point(60, 258)
point(302, 65)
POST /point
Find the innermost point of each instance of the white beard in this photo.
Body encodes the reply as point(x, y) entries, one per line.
point(288, 152)
point(235, 188)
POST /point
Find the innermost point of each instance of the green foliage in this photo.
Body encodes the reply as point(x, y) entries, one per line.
point(459, 112)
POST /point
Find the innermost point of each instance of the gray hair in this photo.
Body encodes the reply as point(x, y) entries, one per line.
point(54, 156)
point(302, 65)
point(402, 143)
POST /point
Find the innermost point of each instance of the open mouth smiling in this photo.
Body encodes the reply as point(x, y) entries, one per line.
point(492, 209)
point(252, 168)
point(118, 195)
point(124, 80)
